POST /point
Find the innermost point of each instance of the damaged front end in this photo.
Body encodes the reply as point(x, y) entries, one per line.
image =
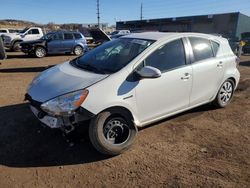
point(67, 121)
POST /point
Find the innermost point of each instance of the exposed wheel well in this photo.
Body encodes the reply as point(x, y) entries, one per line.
point(41, 47)
point(121, 111)
point(15, 42)
point(233, 79)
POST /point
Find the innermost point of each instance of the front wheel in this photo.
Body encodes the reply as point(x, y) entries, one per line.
point(225, 94)
point(16, 46)
point(40, 52)
point(111, 134)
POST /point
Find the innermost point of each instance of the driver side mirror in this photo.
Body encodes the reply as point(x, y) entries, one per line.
point(149, 72)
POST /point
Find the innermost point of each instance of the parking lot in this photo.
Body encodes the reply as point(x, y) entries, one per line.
point(202, 147)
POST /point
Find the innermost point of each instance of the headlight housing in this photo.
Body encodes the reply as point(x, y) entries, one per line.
point(66, 104)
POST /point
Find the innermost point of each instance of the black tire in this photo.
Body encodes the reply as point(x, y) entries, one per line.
point(16, 46)
point(225, 94)
point(40, 52)
point(78, 50)
point(2, 50)
point(111, 134)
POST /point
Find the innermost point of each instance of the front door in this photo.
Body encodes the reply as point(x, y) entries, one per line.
point(54, 44)
point(169, 93)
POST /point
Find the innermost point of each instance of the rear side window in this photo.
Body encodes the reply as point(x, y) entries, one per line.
point(215, 46)
point(168, 56)
point(77, 36)
point(202, 48)
point(68, 36)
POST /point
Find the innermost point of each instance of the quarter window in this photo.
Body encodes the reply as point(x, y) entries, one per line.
point(68, 36)
point(168, 56)
point(202, 48)
point(215, 46)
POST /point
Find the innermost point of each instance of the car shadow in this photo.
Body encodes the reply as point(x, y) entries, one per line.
point(25, 69)
point(25, 143)
point(245, 63)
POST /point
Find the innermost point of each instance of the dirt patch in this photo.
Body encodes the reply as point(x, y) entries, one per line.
point(204, 147)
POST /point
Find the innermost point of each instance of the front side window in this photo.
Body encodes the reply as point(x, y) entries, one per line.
point(112, 56)
point(202, 48)
point(57, 36)
point(33, 31)
point(68, 36)
point(167, 57)
point(3, 31)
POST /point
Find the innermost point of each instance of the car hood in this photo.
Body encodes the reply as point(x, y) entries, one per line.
point(12, 35)
point(98, 35)
point(33, 41)
point(59, 80)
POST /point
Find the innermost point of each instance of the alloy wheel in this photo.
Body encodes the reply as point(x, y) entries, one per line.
point(226, 92)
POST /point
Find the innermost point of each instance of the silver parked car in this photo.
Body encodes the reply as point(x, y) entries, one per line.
point(134, 81)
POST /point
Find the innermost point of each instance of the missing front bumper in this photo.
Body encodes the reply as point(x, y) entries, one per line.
point(66, 124)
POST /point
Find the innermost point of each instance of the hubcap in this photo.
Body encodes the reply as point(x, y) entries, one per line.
point(116, 131)
point(226, 92)
point(40, 52)
point(78, 50)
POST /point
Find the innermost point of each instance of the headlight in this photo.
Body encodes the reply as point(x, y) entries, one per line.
point(65, 104)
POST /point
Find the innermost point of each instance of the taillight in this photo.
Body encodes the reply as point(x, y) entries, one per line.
point(237, 61)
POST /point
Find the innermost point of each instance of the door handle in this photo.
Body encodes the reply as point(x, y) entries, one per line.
point(220, 64)
point(186, 76)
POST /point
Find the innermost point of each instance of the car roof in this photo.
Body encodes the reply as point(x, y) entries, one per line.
point(165, 35)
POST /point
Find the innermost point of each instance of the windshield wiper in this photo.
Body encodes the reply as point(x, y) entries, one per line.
point(88, 67)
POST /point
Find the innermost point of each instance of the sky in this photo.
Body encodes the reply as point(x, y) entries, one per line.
point(84, 11)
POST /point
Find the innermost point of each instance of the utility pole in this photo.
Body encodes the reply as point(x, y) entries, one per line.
point(141, 11)
point(98, 13)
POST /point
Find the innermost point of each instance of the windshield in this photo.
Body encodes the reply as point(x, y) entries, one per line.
point(24, 30)
point(114, 32)
point(112, 56)
point(47, 36)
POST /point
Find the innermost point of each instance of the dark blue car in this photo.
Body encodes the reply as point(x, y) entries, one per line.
point(55, 43)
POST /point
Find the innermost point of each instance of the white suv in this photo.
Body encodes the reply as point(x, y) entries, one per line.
point(132, 82)
point(13, 40)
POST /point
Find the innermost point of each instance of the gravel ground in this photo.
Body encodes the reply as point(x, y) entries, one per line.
point(204, 147)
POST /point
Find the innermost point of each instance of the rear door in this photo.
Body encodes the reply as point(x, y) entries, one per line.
point(68, 42)
point(208, 70)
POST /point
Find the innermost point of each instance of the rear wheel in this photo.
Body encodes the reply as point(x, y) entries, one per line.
point(225, 94)
point(78, 50)
point(111, 134)
point(40, 52)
